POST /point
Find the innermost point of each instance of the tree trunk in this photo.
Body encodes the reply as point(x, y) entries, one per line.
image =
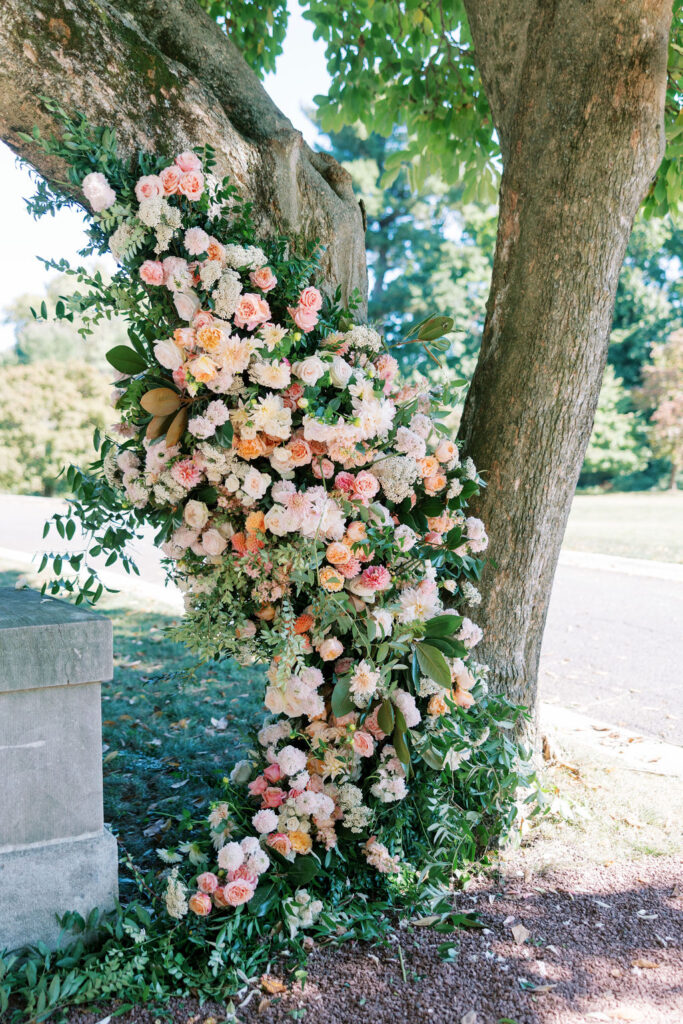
point(167, 77)
point(577, 92)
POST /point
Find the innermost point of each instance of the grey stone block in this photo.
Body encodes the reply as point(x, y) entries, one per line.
point(52, 659)
point(38, 882)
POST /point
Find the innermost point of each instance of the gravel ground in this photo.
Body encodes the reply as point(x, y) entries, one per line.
point(597, 943)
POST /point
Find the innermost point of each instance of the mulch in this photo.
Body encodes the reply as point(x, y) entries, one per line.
point(597, 943)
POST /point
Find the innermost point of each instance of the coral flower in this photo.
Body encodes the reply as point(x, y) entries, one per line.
point(301, 842)
point(303, 623)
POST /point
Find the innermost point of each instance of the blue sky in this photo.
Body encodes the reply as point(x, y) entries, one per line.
point(301, 74)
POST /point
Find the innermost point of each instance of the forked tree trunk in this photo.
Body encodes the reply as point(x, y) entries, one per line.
point(577, 91)
point(165, 76)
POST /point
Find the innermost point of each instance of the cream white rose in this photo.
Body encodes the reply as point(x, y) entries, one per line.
point(196, 514)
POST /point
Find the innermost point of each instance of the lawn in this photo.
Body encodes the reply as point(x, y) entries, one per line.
point(646, 524)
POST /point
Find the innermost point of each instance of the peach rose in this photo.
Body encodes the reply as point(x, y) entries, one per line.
point(437, 705)
point(200, 904)
point(255, 522)
point(280, 843)
point(299, 451)
point(202, 369)
point(209, 337)
point(152, 272)
point(263, 278)
point(251, 311)
point(201, 318)
point(266, 613)
point(310, 298)
point(365, 486)
point(363, 743)
point(215, 250)
point(219, 897)
point(184, 337)
point(331, 580)
point(207, 882)
point(213, 543)
point(446, 451)
point(237, 893)
point(305, 319)
point(191, 185)
point(301, 842)
point(188, 161)
point(434, 484)
point(250, 447)
point(330, 648)
point(148, 187)
point(170, 179)
point(428, 466)
point(355, 531)
point(246, 630)
point(338, 553)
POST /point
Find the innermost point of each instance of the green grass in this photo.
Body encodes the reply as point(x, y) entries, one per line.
point(163, 757)
point(647, 524)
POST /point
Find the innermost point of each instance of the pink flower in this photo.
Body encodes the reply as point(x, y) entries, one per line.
point(213, 542)
point(191, 185)
point(305, 319)
point(170, 179)
point(372, 725)
point(263, 278)
point(350, 569)
point(323, 468)
point(330, 648)
point(186, 474)
point(207, 882)
point(258, 786)
point(386, 366)
point(273, 796)
point(363, 743)
point(148, 187)
point(251, 311)
point(344, 481)
point(273, 772)
point(98, 191)
point(310, 298)
point(186, 304)
point(188, 161)
point(184, 337)
point(219, 897)
point(152, 272)
point(292, 394)
point(280, 842)
point(242, 873)
point(376, 577)
point(237, 892)
point(365, 486)
point(196, 241)
point(265, 821)
point(200, 904)
point(180, 378)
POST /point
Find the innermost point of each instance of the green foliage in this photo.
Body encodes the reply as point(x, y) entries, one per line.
point(617, 445)
point(257, 27)
point(662, 394)
point(48, 411)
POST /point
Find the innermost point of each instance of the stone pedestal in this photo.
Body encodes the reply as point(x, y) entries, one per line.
point(55, 854)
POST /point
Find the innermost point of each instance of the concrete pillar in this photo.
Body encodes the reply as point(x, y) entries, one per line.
point(55, 854)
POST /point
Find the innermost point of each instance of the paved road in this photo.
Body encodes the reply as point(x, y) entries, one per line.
point(613, 647)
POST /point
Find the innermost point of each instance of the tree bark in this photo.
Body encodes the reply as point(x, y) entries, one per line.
point(166, 77)
point(577, 92)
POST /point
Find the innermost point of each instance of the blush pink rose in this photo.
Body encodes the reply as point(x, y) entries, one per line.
point(149, 186)
point(237, 892)
point(152, 272)
point(251, 311)
point(363, 743)
point(365, 486)
point(293, 394)
point(207, 882)
point(280, 842)
point(188, 161)
point(244, 874)
point(323, 468)
point(305, 319)
point(273, 796)
point(311, 299)
point(170, 180)
point(376, 577)
point(273, 772)
point(372, 725)
point(202, 318)
point(344, 481)
point(187, 305)
point(213, 542)
point(196, 241)
point(98, 191)
point(180, 378)
point(263, 278)
point(330, 648)
point(258, 786)
point(191, 185)
point(200, 904)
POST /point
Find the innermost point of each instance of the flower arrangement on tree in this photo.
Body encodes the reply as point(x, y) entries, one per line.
point(311, 507)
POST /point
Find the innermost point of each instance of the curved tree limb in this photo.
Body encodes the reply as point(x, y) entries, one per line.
point(166, 77)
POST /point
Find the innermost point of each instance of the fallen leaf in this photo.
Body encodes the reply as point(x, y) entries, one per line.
point(263, 1005)
point(272, 985)
point(646, 964)
point(508, 920)
point(426, 922)
point(520, 934)
point(469, 1018)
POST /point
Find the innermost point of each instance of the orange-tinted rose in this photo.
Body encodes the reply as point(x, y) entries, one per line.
point(255, 522)
point(200, 904)
point(301, 842)
point(338, 554)
point(250, 448)
point(330, 579)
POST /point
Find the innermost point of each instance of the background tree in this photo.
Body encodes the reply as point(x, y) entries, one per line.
point(662, 392)
point(568, 98)
point(48, 411)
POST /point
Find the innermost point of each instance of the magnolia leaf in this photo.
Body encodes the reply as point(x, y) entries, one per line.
point(443, 625)
point(341, 702)
point(160, 401)
point(126, 360)
point(302, 869)
point(433, 664)
point(399, 717)
point(433, 759)
point(157, 426)
point(177, 428)
point(401, 748)
point(385, 717)
point(435, 327)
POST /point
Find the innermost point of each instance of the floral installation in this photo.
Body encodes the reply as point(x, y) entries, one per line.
point(312, 508)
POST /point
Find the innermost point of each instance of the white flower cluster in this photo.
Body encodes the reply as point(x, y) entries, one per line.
point(301, 911)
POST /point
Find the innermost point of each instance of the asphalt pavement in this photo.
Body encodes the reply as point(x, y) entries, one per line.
point(613, 647)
